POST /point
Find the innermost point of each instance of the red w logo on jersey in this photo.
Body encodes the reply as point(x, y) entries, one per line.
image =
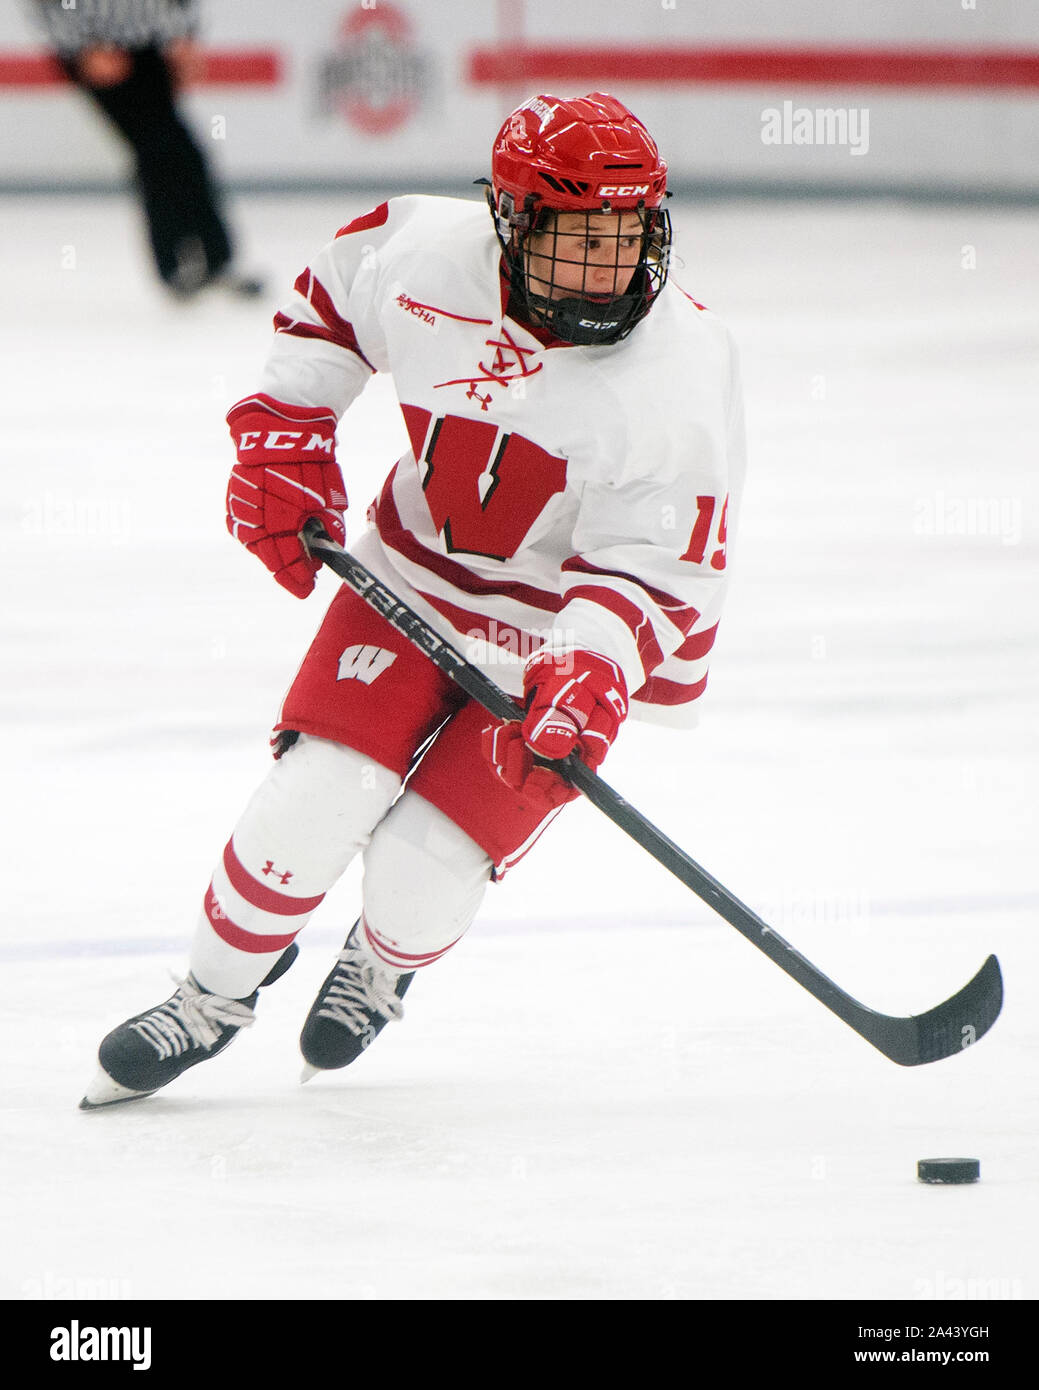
point(485, 488)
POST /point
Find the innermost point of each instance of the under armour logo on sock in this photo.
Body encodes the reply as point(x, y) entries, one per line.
point(269, 868)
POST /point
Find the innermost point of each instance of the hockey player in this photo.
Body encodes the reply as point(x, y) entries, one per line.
point(575, 461)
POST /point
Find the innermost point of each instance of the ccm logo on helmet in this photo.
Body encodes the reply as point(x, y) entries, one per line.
point(621, 190)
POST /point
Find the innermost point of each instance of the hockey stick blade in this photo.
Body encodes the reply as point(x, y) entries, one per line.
point(946, 1029)
point(910, 1041)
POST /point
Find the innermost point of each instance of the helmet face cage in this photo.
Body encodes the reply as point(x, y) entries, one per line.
point(587, 276)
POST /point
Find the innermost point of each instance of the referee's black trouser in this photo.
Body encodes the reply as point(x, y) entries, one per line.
point(177, 192)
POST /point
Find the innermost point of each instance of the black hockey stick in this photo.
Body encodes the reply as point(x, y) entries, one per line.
point(910, 1041)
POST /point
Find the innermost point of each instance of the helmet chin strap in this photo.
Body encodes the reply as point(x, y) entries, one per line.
point(584, 322)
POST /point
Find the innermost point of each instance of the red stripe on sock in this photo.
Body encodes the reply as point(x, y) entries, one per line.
point(234, 935)
point(258, 895)
point(402, 959)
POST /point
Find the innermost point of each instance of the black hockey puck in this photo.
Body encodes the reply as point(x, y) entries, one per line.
point(948, 1170)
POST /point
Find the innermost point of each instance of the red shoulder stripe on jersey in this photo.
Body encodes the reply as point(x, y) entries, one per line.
point(321, 300)
point(376, 218)
point(631, 615)
point(658, 691)
point(336, 329)
point(398, 538)
point(683, 615)
point(690, 297)
point(294, 329)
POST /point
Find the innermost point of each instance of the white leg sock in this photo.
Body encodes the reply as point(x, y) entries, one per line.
point(424, 880)
point(313, 812)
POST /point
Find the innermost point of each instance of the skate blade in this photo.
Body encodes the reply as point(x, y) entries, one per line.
point(104, 1091)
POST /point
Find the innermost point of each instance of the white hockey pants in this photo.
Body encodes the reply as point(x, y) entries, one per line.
point(320, 805)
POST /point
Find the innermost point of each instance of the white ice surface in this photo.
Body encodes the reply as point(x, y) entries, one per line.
point(603, 1092)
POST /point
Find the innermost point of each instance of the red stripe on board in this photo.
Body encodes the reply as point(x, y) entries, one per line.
point(261, 67)
point(870, 67)
point(235, 936)
point(257, 894)
point(29, 70)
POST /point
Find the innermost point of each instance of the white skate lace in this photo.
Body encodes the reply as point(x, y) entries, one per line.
point(359, 989)
point(192, 1018)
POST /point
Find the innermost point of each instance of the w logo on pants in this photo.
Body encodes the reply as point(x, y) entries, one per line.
point(364, 663)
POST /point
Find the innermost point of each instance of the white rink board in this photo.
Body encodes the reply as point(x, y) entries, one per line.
point(384, 92)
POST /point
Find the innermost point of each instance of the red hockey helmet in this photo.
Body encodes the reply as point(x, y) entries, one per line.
point(587, 155)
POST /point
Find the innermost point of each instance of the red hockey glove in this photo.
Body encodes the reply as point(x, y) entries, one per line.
point(577, 700)
point(286, 473)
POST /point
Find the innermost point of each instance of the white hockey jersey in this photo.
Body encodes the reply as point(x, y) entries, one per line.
point(553, 494)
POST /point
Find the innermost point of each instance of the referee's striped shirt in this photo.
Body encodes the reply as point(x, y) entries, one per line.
point(76, 24)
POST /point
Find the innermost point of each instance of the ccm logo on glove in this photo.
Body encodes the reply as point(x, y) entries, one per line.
point(287, 439)
point(286, 474)
point(576, 700)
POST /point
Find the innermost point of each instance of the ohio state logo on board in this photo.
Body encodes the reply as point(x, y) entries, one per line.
point(377, 76)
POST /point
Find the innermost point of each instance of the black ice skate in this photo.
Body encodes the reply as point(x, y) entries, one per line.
point(353, 1006)
point(154, 1048)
